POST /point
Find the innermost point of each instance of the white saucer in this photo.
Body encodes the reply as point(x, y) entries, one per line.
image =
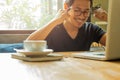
point(35, 53)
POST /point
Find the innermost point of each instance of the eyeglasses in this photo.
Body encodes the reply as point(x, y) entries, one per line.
point(79, 12)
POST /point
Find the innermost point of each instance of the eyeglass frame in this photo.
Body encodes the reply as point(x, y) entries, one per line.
point(80, 12)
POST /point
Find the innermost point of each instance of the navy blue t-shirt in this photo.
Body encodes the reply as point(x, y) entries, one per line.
point(59, 40)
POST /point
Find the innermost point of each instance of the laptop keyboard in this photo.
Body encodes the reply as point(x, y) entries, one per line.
point(98, 53)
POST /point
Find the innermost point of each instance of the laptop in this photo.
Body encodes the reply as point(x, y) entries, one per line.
point(112, 49)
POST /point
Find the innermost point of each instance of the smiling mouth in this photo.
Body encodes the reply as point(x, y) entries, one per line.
point(78, 21)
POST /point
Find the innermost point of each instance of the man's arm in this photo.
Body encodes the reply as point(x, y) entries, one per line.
point(103, 39)
point(43, 32)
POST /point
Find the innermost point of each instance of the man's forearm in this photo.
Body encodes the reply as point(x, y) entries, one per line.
point(43, 32)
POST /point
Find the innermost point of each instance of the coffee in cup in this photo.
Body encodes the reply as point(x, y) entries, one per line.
point(35, 45)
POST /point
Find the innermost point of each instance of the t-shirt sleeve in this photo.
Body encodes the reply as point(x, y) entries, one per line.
point(98, 33)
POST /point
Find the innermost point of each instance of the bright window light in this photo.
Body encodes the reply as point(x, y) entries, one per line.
point(27, 14)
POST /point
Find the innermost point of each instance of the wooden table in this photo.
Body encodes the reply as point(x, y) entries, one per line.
point(66, 69)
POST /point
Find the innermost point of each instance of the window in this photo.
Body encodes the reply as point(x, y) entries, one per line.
point(27, 14)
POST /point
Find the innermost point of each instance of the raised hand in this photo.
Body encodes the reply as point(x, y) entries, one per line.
point(61, 16)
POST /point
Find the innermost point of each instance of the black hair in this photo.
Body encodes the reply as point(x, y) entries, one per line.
point(70, 2)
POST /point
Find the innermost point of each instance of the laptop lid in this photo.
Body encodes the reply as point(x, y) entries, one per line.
point(113, 30)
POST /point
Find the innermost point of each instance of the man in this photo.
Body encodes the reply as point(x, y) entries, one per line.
point(69, 31)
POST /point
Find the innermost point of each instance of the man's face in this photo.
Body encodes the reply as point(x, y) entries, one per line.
point(79, 12)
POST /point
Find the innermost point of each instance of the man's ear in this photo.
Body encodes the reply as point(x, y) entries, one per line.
point(65, 6)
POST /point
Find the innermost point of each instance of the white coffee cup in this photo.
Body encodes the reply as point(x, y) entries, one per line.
point(35, 45)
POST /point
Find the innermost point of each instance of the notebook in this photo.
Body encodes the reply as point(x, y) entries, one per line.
point(112, 49)
point(48, 57)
